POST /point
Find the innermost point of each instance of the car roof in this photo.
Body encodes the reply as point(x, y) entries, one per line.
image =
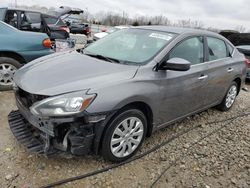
point(19, 9)
point(178, 30)
point(27, 10)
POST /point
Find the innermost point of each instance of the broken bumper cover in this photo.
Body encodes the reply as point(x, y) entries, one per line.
point(39, 142)
point(51, 135)
point(24, 134)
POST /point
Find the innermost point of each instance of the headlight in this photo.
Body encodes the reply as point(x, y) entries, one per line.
point(67, 104)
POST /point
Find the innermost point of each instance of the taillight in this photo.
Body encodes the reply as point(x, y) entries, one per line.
point(88, 30)
point(103, 29)
point(47, 43)
point(247, 63)
point(65, 29)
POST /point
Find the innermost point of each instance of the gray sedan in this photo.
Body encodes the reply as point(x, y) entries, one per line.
point(122, 88)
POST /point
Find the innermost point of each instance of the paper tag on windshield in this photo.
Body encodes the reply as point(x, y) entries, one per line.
point(161, 36)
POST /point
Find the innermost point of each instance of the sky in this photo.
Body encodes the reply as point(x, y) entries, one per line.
point(221, 14)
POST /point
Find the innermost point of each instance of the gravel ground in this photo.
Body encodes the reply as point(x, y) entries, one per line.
point(193, 160)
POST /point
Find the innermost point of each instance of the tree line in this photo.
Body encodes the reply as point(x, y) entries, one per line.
point(114, 19)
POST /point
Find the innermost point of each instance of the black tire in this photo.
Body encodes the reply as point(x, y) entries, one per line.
point(222, 106)
point(8, 61)
point(106, 143)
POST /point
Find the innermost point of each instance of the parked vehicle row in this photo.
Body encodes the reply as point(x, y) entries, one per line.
point(25, 20)
point(17, 48)
point(242, 43)
point(245, 49)
point(52, 24)
point(123, 88)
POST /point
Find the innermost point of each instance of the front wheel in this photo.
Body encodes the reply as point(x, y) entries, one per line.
point(230, 97)
point(124, 135)
point(8, 67)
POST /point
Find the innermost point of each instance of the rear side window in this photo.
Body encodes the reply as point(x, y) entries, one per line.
point(216, 49)
point(191, 49)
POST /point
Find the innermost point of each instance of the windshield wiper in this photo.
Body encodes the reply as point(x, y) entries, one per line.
point(98, 56)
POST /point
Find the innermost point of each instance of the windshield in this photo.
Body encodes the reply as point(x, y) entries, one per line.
point(131, 45)
point(2, 11)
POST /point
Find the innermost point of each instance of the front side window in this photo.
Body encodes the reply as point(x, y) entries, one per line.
point(131, 46)
point(216, 49)
point(190, 49)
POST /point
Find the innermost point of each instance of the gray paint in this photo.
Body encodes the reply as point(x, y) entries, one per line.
point(171, 95)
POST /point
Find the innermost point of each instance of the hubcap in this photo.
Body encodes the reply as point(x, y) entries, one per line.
point(231, 95)
point(7, 72)
point(127, 137)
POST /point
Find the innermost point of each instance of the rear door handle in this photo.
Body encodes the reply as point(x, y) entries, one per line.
point(230, 70)
point(203, 77)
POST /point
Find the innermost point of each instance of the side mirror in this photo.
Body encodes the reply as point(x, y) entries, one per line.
point(176, 64)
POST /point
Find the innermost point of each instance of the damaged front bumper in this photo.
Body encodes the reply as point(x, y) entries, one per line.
point(78, 135)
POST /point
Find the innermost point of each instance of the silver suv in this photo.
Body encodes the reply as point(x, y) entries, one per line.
point(123, 88)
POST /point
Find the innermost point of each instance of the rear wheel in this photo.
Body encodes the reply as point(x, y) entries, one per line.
point(124, 136)
point(230, 97)
point(8, 67)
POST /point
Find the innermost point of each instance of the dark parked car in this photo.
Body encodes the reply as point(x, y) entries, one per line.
point(245, 49)
point(123, 88)
point(242, 43)
point(77, 28)
point(70, 17)
point(17, 48)
point(38, 22)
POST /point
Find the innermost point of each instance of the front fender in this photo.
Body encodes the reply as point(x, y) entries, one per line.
point(115, 97)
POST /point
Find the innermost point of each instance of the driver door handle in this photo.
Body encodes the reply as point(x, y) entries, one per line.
point(203, 77)
point(230, 70)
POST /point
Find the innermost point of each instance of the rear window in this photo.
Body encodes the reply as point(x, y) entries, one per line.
point(2, 11)
point(53, 20)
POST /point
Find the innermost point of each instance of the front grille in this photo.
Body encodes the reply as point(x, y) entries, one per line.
point(28, 99)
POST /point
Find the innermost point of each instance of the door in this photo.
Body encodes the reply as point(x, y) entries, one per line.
point(183, 92)
point(221, 70)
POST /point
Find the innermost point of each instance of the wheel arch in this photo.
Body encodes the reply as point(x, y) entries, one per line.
point(13, 55)
point(239, 82)
point(139, 105)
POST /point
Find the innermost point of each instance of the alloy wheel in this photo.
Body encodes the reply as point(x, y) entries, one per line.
point(7, 72)
point(231, 96)
point(127, 137)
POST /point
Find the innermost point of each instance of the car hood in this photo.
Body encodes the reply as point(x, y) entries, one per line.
point(67, 72)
